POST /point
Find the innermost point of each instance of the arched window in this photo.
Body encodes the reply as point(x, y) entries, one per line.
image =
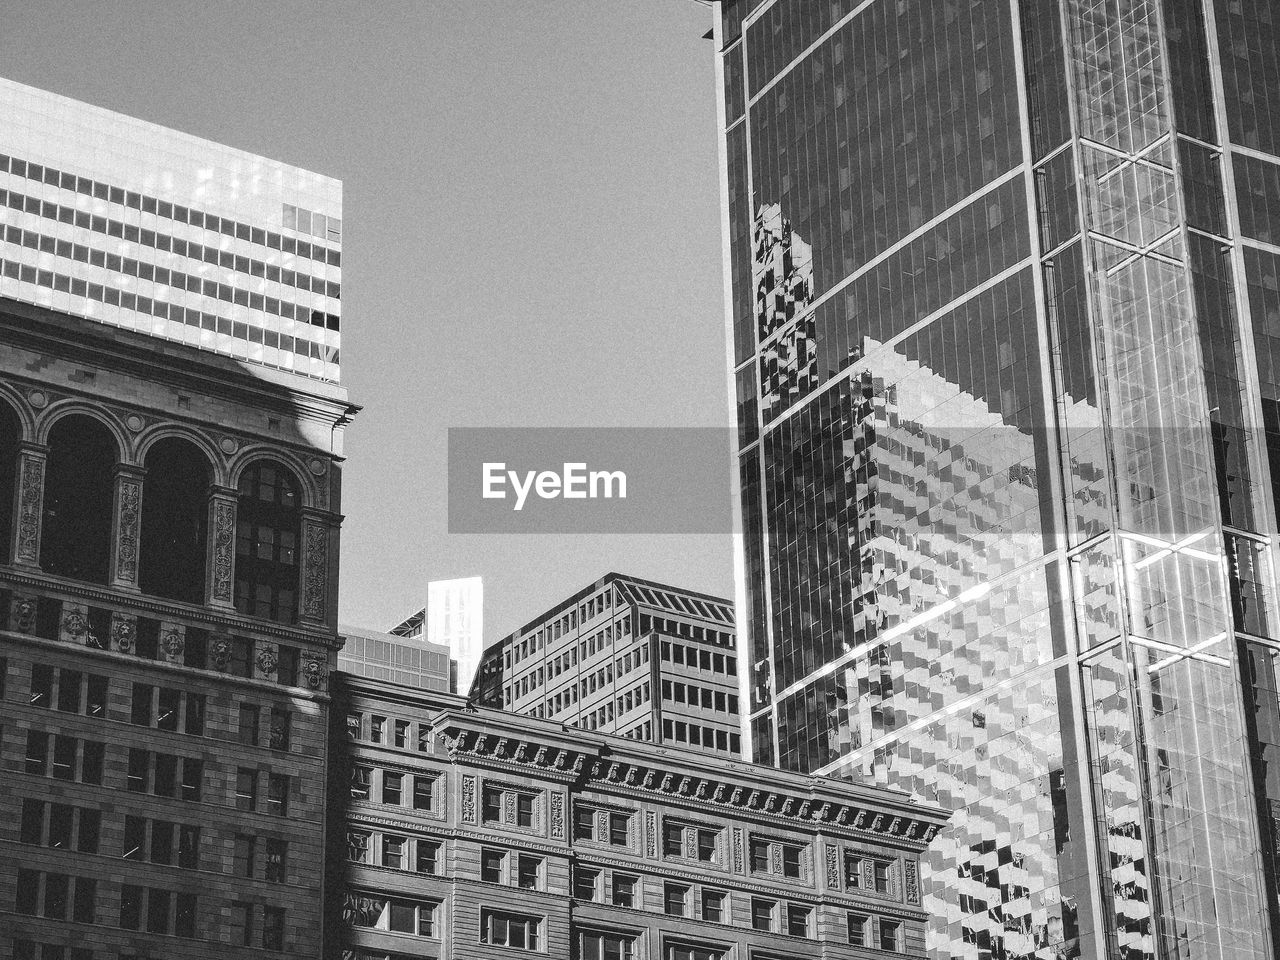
point(10, 435)
point(267, 532)
point(175, 516)
point(79, 493)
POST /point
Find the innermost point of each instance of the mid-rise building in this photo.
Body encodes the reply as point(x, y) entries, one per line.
point(170, 464)
point(1001, 301)
point(384, 656)
point(625, 656)
point(466, 832)
point(453, 617)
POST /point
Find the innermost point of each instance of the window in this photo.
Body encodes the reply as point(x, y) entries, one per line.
point(713, 906)
point(91, 754)
point(130, 907)
point(377, 729)
point(606, 946)
point(798, 919)
point(687, 840)
point(675, 897)
point(157, 910)
point(249, 724)
point(528, 872)
point(762, 912)
point(136, 777)
point(287, 665)
point(393, 851)
point(192, 778)
point(880, 870)
point(69, 691)
point(508, 806)
point(706, 845)
point(586, 883)
point(170, 704)
point(392, 788)
point(267, 531)
point(41, 685)
point(281, 728)
point(174, 521)
point(195, 714)
point(184, 915)
point(79, 493)
point(162, 842)
point(423, 792)
point(32, 828)
point(789, 857)
point(619, 829)
point(140, 709)
point(246, 788)
point(400, 734)
point(428, 856)
point(584, 822)
point(524, 809)
point(890, 935)
point(278, 794)
point(858, 929)
point(273, 928)
point(37, 752)
point(510, 930)
point(64, 758)
point(90, 835)
point(96, 696)
point(491, 866)
point(361, 777)
point(624, 890)
point(492, 812)
point(791, 860)
point(689, 951)
point(672, 839)
point(376, 912)
point(277, 860)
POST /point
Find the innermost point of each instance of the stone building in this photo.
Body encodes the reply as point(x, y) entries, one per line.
point(170, 464)
point(628, 656)
point(466, 832)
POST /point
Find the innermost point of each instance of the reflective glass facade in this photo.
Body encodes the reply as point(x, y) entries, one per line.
point(1006, 334)
point(145, 228)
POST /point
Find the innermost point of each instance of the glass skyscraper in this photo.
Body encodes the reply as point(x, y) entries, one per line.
point(1003, 283)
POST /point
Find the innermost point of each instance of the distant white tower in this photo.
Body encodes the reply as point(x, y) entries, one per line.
point(453, 617)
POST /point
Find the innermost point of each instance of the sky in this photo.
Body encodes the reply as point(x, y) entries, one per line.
point(531, 237)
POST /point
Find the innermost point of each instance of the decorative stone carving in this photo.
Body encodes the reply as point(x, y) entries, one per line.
point(557, 816)
point(737, 850)
point(509, 807)
point(130, 497)
point(602, 824)
point(124, 630)
point(833, 866)
point(468, 799)
point(30, 504)
point(268, 660)
point(24, 614)
point(220, 652)
point(315, 670)
point(74, 624)
point(775, 857)
point(911, 881)
point(174, 644)
point(315, 566)
point(224, 530)
point(651, 834)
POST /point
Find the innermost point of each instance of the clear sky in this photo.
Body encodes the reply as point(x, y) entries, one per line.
point(531, 236)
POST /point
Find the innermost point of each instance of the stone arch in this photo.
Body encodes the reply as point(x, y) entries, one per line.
point(174, 534)
point(11, 433)
point(269, 506)
point(79, 496)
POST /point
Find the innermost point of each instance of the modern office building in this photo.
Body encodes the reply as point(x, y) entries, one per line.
point(169, 509)
point(625, 656)
point(383, 656)
point(148, 229)
point(452, 617)
point(1001, 286)
point(466, 832)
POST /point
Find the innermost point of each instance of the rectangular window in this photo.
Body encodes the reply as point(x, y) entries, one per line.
point(91, 754)
point(192, 778)
point(184, 915)
point(672, 839)
point(890, 935)
point(491, 866)
point(41, 685)
point(713, 906)
point(69, 691)
point(166, 775)
point(492, 807)
point(64, 757)
point(707, 845)
point(287, 666)
point(528, 872)
point(524, 810)
point(96, 696)
point(130, 907)
point(858, 929)
point(32, 828)
point(27, 892)
point(423, 792)
point(675, 897)
point(358, 846)
point(249, 724)
point(278, 795)
point(428, 856)
point(400, 734)
point(61, 820)
point(880, 871)
point(791, 855)
point(157, 910)
point(195, 714)
point(619, 828)
point(510, 930)
point(162, 842)
point(361, 778)
point(277, 860)
point(393, 851)
point(798, 920)
point(170, 704)
point(586, 883)
point(759, 855)
point(281, 728)
point(584, 822)
point(140, 707)
point(84, 907)
point(37, 752)
point(624, 890)
point(273, 928)
point(136, 778)
point(762, 913)
point(377, 729)
point(188, 846)
point(246, 788)
point(89, 837)
point(392, 788)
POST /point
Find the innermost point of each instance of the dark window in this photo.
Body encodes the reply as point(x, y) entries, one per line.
point(246, 788)
point(135, 838)
point(84, 907)
point(790, 860)
point(713, 906)
point(147, 638)
point(624, 890)
point(91, 754)
point(175, 510)
point(528, 870)
point(858, 929)
point(423, 792)
point(157, 910)
point(170, 705)
point(136, 778)
point(491, 866)
point(32, 825)
point(64, 757)
point(584, 823)
point(618, 829)
point(188, 846)
point(69, 682)
point(10, 434)
point(492, 811)
point(79, 491)
point(37, 752)
point(672, 840)
point(761, 914)
point(268, 528)
point(277, 859)
point(192, 778)
point(392, 788)
point(249, 724)
point(674, 898)
point(61, 821)
point(195, 714)
point(41, 685)
point(524, 809)
point(273, 928)
point(130, 907)
point(798, 920)
point(195, 649)
point(56, 890)
point(287, 666)
point(281, 726)
point(140, 709)
point(890, 935)
point(184, 915)
point(166, 775)
point(96, 696)
point(162, 842)
point(89, 837)
point(707, 845)
point(26, 899)
point(586, 882)
point(278, 794)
